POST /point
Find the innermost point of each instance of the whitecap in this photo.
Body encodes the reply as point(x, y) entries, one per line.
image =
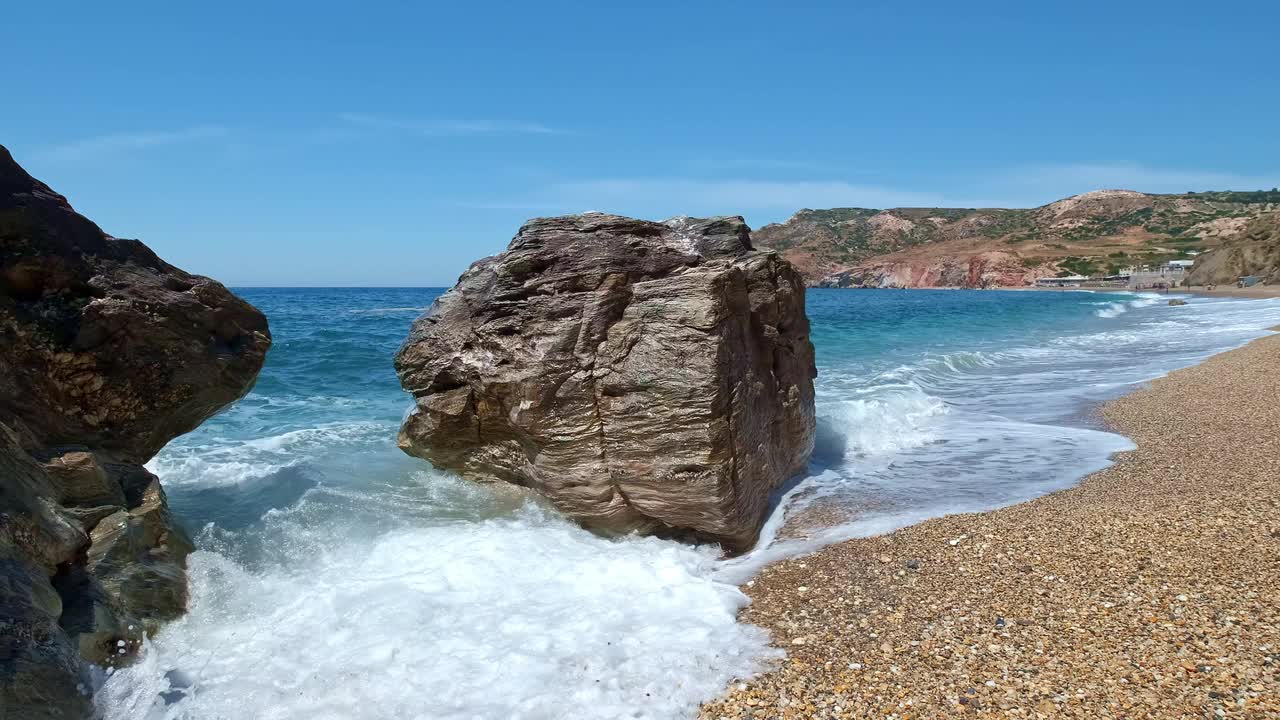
point(519, 617)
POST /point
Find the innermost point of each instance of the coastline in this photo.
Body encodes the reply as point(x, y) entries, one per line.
point(1144, 591)
point(1255, 292)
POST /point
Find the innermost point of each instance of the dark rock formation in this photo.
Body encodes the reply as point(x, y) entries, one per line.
point(106, 353)
point(651, 377)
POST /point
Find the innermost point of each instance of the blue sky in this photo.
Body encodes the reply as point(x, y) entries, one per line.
point(393, 143)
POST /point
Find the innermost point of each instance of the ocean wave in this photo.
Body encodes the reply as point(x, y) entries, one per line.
point(525, 616)
point(377, 312)
point(226, 461)
point(1115, 309)
point(1112, 310)
point(1109, 339)
point(961, 362)
point(883, 420)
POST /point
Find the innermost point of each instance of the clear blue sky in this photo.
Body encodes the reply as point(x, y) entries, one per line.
point(372, 143)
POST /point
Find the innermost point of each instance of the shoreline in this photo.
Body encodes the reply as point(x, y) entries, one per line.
point(1257, 292)
point(1142, 591)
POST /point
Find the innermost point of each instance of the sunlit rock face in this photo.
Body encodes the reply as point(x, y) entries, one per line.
point(650, 377)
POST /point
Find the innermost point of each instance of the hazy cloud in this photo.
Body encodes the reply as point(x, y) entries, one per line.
point(1063, 180)
point(127, 142)
point(759, 200)
point(747, 164)
point(446, 128)
point(728, 194)
point(769, 200)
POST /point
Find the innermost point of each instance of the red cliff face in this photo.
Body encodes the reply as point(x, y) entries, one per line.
point(983, 270)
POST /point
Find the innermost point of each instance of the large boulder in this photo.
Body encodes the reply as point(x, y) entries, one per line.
point(104, 344)
point(106, 354)
point(651, 377)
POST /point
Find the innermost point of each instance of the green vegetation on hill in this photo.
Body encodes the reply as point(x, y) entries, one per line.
point(835, 215)
point(1078, 266)
point(1232, 196)
point(1017, 223)
point(1158, 228)
point(1104, 226)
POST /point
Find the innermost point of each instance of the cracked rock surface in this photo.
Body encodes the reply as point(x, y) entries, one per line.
point(643, 376)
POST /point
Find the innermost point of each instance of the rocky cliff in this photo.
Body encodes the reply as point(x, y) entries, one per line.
point(650, 377)
point(1254, 251)
point(979, 270)
point(1095, 233)
point(106, 353)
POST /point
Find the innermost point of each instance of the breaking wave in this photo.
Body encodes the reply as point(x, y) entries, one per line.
point(523, 616)
point(227, 462)
point(1115, 309)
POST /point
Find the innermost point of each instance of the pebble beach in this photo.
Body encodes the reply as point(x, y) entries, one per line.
point(1150, 590)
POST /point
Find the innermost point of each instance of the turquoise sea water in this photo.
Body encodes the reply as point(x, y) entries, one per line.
point(338, 578)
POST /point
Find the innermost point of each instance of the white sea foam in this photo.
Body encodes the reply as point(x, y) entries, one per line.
point(226, 462)
point(880, 420)
point(1115, 309)
point(377, 312)
point(1111, 310)
point(518, 617)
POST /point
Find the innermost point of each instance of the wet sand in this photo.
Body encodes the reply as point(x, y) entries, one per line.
point(1150, 590)
point(1257, 291)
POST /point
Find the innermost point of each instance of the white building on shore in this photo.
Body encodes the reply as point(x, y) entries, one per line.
point(1068, 281)
point(1168, 275)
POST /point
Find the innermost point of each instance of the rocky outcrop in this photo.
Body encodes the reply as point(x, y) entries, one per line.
point(106, 353)
point(821, 243)
point(1092, 208)
point(1254, 251)
point(980, 271)
point(650, 377)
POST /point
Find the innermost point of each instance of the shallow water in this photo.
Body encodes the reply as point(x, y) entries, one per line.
point(338, 578)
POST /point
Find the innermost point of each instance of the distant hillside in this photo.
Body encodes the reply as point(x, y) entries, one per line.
point(1254, 251)
point(1093, 233)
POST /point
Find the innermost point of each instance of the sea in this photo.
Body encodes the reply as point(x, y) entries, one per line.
point(336, 577)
